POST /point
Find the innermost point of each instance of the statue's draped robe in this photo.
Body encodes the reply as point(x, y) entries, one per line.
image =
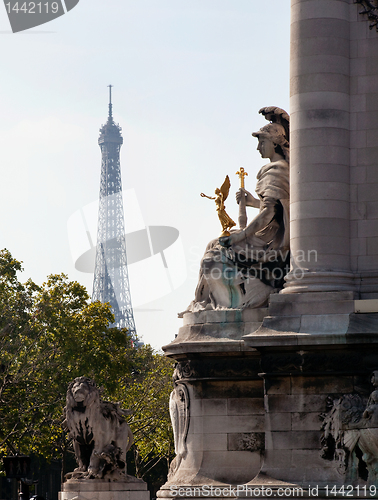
point(273, 189)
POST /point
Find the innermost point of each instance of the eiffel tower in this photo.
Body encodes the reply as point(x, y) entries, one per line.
point(111, 280)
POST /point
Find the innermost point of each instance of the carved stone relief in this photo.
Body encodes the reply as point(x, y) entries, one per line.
point(246, 441)
point(218, 369)
point(350, 435)
point(339, 431)
point(252, 441)
point(183, 370)
point(371, 10)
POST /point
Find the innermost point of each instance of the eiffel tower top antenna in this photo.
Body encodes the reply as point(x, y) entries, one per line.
point(110, 102)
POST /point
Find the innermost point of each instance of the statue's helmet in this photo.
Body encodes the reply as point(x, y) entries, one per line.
point(273, 131)
point(277, 134)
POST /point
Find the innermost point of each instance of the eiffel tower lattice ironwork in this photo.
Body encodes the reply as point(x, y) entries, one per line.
point(111, 281)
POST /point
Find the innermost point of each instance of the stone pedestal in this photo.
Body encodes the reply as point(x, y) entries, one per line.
point(219, 373)
point(260, 386)
point(322, 358)
point(92, 489)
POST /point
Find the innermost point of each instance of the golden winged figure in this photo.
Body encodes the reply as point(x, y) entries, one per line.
point(220, 197)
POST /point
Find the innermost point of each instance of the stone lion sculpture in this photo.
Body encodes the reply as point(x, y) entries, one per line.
point(100, 433)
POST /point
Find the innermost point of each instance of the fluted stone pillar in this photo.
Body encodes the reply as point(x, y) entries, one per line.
point(319, 144)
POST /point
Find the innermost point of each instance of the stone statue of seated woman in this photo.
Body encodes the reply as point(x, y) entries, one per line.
point(243, 269)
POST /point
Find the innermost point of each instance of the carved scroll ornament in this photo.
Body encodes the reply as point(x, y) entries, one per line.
point(179, 412)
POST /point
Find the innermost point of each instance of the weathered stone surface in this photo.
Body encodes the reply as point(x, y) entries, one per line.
point(104, 490)
point(104, 495)
point(294, 403)
point(245, 406)
point(278, 421)
point(100, 433)
point(235, 423)
point(278, 385)
point(215, 442)
point(305, 421)
point(225, 399)
point(229, 389)
point(246, 441)
point(102, 486)
point(363, 323)
point(312, 384)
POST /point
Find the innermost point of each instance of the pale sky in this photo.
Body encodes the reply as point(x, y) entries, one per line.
point(189, 78)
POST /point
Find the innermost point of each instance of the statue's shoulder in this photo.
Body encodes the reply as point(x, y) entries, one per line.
point(273, 167)
point(280, 164)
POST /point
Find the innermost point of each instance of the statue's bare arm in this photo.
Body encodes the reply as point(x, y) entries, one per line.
point(250, 200)
point(265, 216)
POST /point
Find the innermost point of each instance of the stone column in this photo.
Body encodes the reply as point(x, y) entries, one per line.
point(319, 144)
point(364, 151)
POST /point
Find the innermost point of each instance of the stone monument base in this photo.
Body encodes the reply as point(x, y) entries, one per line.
point(262, 487)
point(89, 489)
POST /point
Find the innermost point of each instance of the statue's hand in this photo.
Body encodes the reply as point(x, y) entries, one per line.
point(250, 200)
point(227, 241)
point(366, 414)
point(239, 195)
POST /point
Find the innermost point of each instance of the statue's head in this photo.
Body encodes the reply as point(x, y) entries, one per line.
point(82, 391)
point(276, 135)
point(374, 378)
point(276, 132)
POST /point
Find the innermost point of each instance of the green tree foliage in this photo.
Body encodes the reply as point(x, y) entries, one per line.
point(51, 334)
point(147, 394)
